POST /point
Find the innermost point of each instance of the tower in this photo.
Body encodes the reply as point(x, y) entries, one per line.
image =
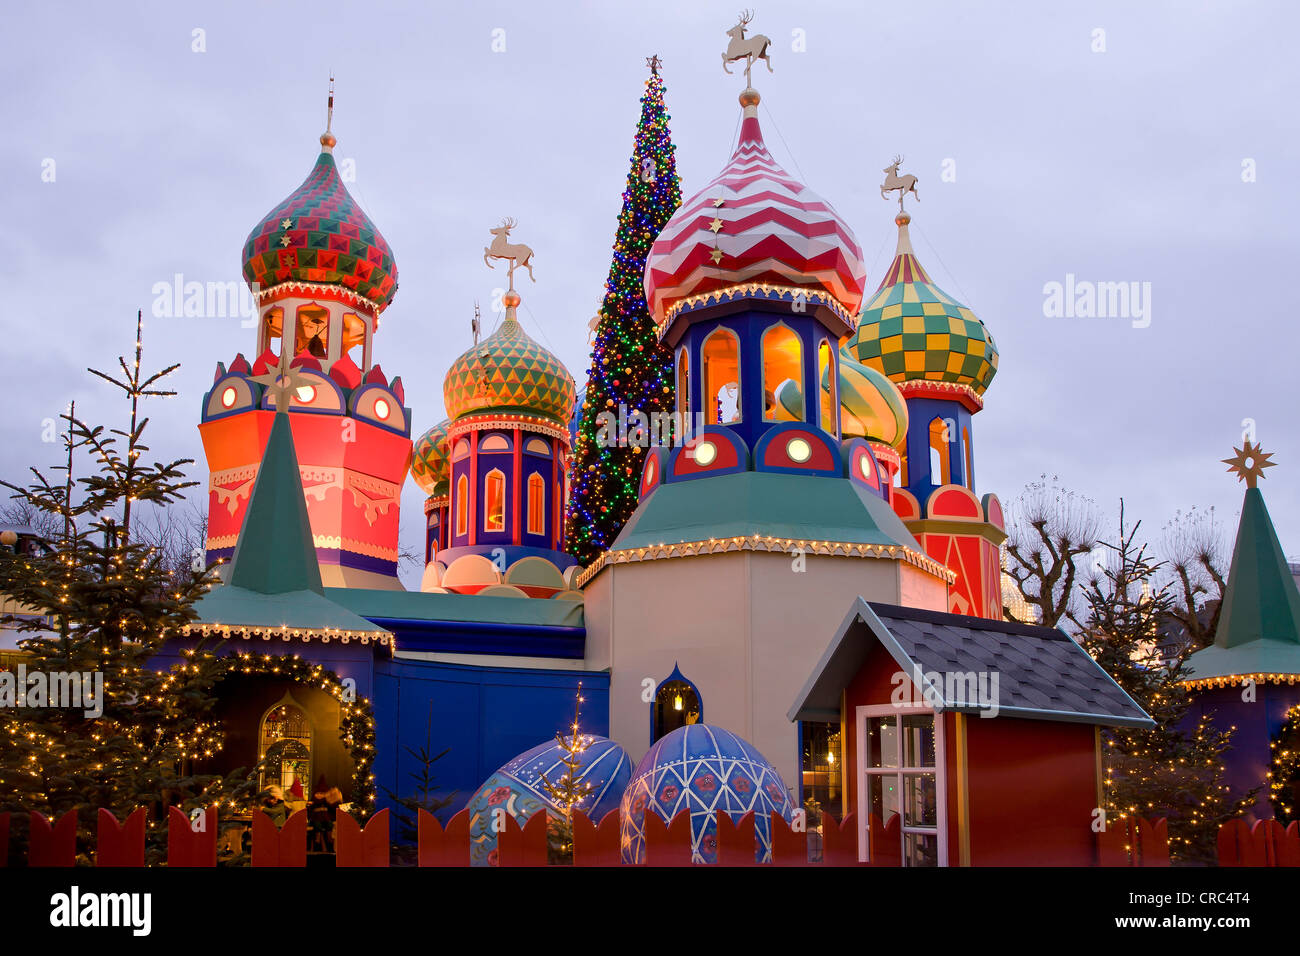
point(321, 275)
point(495, 471)
point(763, 523)
point(942, 358)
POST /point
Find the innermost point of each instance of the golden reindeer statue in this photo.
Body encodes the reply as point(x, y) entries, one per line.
point(750, 49)
point(516, 253)
point(904, 184)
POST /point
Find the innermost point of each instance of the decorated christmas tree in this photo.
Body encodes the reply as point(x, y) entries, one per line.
point(629, 367)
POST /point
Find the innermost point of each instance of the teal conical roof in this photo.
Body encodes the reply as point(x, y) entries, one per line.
point(276, 553)
point(1259, 624)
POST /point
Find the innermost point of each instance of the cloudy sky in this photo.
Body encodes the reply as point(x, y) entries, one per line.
point(1148, 143)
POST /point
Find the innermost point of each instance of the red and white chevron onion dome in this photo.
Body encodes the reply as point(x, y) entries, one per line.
point(770, 229)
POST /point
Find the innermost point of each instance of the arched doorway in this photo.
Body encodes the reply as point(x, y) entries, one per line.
point(676, 703)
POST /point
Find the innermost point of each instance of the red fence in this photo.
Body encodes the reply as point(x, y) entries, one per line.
point(192, 842)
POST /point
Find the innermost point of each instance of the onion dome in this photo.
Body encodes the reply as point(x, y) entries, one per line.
point(509, 373)
point(431, 460)
point(911, 330)
point(871, 406)
point(320, 235)
point(754, 224)
point(706, 770)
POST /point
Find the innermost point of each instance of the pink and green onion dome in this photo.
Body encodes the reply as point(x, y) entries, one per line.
point(517, 788)
point(319, 235)
point(705, 770)
point(913, 331)
point(754, 225)
point(508, 373)
point(431, 460)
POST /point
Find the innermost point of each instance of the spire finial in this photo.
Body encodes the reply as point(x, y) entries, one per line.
point(654, 63)
point(1249, 463)
point(327, 140)
point(748, 49)
point(904, 184)
point(515, 253)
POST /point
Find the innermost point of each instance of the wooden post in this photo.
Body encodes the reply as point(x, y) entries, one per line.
point(120, 844)
point(188, 847)
point(361, 847)
point(53, 845)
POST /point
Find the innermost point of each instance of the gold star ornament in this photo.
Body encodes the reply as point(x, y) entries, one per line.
point(1249, 463)
point(715, 225)
point(717, 203)
point(716, 256)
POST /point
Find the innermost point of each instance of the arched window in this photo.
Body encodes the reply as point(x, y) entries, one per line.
point(830, 393)
point(683, 382)
point(460, 451)
point(494, 501)
point(354, 339)
point(312, 334)
point(965, 447)
point(676, 704)
point(272, 330)
point(720, 365)
point(782, 362)
point(462, 505)
point(536, 504)
point(940, 462)
point(538, 446)
point(284, 742)
point(494, 443)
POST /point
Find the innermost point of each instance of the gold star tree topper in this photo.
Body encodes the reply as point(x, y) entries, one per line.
point(1249, 463)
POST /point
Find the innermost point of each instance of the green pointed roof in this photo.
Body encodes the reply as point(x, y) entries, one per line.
point(274, 585)
point(1259, 623)
point(275, 552)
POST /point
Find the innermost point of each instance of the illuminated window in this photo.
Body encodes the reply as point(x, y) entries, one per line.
point(354, 338)
point(683, 382)
point(494, 501)
point(461, 450)
point(676, 704)
point(830, 390)
point(940, 461)
point(536, 504)
point(462, 504)
point(284, 741)
point(900, 775)
point(538, 446)
point(272, 330)
point(720, 364)
point(821, 772)
point(965, 447)
point(782, 363)
point(312, 332)
point(494, 443)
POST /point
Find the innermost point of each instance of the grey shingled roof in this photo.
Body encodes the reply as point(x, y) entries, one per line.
point(1042, 673)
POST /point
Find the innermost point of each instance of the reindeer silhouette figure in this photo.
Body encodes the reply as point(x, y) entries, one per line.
point(904, 184)
point(516, 253)
point(750, 49)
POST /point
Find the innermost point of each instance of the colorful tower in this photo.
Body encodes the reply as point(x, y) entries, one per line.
point(495, 471)
point(942, 358)
point(321, 274)
point(756, 533)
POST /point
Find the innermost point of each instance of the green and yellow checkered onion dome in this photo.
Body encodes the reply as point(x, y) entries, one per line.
point(911, 330)
point(509, 373)
point(431, 460)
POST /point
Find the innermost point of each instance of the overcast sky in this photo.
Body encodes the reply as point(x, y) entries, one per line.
point(1110, 142)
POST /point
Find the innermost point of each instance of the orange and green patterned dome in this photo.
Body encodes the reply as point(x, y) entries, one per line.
point(320, 235)
point(509, 373)
point(431, 460)
point(871, 406)
point(911, 330)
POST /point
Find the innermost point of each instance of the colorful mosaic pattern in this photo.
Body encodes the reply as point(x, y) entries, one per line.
point(706, 770)
point(911, 329)
point(319, 234)
point(517, 788)
point(430, 458)
point(509, 372)
point(754, 223)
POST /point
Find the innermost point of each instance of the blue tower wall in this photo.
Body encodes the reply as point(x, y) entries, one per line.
point(921, 412)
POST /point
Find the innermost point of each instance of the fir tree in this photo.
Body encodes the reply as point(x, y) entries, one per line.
point(1174, 769)
point(426, 787)
point(107, 602)
point(629, 367)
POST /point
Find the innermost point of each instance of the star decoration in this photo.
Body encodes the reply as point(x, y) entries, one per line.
point(716, 256)
point(286, 223)
point(1249, 463)
point(654, 63)
point(715, 225)
point(718, 202)
point(286, 241)
point(282, 381)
